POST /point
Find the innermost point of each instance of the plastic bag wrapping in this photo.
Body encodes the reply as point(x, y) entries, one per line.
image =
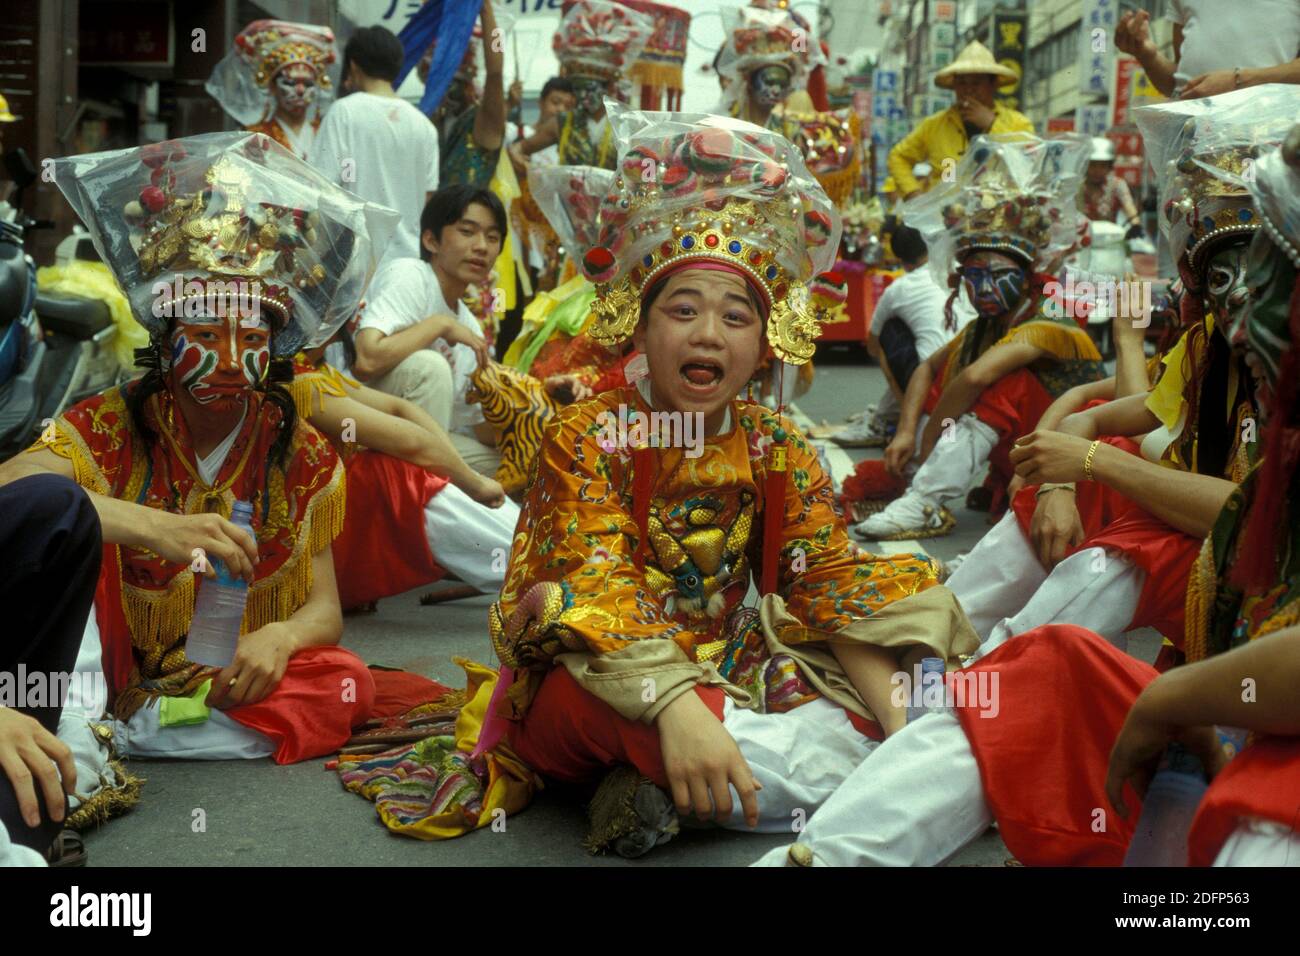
point(1204, 152)
point(671, 164)
point(170, 218)
point(241, 82)
point(756, 38)
point(570, 198)
point(1010, 192)
point(1276, 191)
point(599, 38)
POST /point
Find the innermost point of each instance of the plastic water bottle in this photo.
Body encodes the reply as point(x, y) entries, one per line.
point(929, 689)
point(219, 609)
point(1160, 838)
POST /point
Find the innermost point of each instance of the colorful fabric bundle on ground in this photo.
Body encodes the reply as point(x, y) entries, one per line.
point(433, 789)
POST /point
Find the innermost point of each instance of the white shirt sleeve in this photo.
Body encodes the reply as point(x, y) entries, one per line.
point(431, 184)
point(397, 297)
point(885, 308)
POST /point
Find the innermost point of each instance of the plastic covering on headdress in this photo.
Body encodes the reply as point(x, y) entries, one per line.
point(173, 218)
point(570, 197)
point(1204, 153)
point(702, 186)
point(241, 82)
point(1276, 191)
point(756, 38)
point(1011, 193)
point(601, 39)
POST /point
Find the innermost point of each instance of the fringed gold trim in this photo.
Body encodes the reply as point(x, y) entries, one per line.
point(1201, 587)
point(839, 183)
point(108, 802)
point(306, 389)
point(277, 597)
point(656, 74)
point(159, 617)
point(1061, 341)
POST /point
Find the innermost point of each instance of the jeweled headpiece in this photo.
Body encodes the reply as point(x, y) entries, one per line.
point(694, 186)
point(600, 39)
point(758, 37)
point(241, 82)
point(1011, 193)
point(1204, 152)
point(172, 219)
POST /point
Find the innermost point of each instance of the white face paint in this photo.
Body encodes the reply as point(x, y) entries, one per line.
point(295, 87)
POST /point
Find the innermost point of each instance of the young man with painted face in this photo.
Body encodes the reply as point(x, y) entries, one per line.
point(596, 44)
point(413, 343)
point(1003, 216)
point(233, 253)
point(620, 623)
point(1121, 494)
point(942, 139)
point(274, 76)
point(1073, 798)
point(768, 55)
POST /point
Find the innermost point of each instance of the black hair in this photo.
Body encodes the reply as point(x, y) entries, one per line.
point(447, 206)
point(556, 84)
point(377, 51)
point(908, 244)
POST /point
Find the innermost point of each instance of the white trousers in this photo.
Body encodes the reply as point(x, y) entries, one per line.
point(957, 462)
point(1005, 591)
point(800, 758)
point(217, 738)
point(469, 539)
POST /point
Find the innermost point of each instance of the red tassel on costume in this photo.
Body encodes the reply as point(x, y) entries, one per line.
point(773, 509)
point(643, 487)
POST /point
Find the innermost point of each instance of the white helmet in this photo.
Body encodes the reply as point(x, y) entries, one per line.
point(1103, 150)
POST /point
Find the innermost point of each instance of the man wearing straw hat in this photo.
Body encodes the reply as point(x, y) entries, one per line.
point(974, 76)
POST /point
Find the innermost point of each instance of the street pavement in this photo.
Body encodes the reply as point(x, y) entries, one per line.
point(256, 813)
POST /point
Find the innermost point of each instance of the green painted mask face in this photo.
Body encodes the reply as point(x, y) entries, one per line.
point(1262, 331)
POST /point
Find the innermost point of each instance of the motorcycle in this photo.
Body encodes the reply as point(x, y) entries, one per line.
point(55, 349)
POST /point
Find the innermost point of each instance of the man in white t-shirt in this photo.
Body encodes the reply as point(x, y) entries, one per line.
point(907, 327)
point(413, 342)
point(1218, 47)
point(376, 144)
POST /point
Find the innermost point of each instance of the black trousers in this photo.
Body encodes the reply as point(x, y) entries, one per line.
point(898, 345)
point(50, 551)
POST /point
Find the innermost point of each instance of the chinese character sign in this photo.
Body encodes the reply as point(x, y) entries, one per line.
point(1091, 119)
point(1096, 46)
point(1009, 34)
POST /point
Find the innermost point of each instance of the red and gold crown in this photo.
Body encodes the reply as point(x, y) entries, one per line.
point(172, 219)
point(758, 37)
point(271, 45)
point(704, 187)
point(600, 39)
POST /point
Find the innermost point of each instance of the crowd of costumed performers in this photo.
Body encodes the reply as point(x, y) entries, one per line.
point(1081, 724)
point(277, 81)
point(995, 234)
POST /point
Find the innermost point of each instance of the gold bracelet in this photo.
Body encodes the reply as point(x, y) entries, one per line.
point(1087, 461)
point(1054, 486)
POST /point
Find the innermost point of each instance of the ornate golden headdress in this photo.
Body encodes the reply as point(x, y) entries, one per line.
point(1011, 193)
point(171, 218)
point(1204, 151)
point(705, 187)
point(241, 82)
point(601, 39)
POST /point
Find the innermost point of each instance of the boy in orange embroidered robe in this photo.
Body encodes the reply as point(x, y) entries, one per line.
point(1075, 726)
point(966, 404)
point(210, 423)
point(621, 622)
point(273, 77)
point(1129, 532)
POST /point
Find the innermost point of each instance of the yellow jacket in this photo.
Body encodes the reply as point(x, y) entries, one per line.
point(943, 136)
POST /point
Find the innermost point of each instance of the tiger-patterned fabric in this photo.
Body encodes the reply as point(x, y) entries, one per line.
point(517, 407)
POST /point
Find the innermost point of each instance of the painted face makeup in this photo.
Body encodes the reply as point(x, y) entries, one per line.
point(295, 87)
point(1261, 331)
point(994, 282)
point(1225, 286)
point(220, 358)
point(770, 85)
point(589, 92)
